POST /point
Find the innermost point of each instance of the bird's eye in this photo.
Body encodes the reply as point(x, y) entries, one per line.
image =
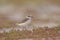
point(28, 16)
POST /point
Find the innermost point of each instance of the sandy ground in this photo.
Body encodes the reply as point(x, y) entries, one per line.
point(44, 13)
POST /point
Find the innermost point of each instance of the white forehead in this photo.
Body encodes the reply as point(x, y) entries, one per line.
point(28, 16)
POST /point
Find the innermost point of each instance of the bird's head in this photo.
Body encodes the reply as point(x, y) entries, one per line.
point(30, 16)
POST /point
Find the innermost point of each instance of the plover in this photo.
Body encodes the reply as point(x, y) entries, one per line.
point(25, 22)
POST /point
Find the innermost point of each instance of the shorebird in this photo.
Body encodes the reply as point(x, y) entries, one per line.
point(25, 22)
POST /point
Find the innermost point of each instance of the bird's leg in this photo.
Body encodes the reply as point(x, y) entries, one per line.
point(23, 27)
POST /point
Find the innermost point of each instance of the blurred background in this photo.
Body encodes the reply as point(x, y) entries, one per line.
point(44, 12)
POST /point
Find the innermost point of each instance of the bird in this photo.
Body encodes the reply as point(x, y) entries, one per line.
point(25, 22)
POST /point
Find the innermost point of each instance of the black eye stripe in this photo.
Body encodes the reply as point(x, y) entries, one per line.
point(29, 16)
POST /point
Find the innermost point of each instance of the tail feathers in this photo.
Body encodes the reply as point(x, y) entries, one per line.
point(21, 24)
